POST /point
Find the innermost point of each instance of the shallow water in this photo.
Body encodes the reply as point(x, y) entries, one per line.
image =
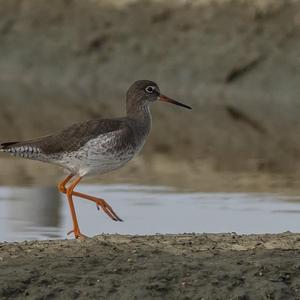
point(43, 213)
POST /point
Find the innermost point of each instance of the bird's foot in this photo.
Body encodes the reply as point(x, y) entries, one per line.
point(77, 234)
point(107, 209)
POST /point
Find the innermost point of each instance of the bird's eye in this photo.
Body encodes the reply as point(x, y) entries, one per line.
point(149, 89)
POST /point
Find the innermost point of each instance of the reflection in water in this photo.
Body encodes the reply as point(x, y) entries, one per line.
point(40, 206)
point(40, 213)
point(34, 209)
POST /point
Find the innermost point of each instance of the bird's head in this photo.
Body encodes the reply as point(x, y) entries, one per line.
point(143, 92)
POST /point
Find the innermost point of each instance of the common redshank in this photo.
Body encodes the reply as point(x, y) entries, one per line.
point(95, 146)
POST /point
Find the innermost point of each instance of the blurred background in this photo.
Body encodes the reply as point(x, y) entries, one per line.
point(237, 63)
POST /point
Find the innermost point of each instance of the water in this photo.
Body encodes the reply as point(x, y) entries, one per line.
point(43, 213)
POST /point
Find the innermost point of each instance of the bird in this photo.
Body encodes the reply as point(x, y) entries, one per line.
point(95, 146)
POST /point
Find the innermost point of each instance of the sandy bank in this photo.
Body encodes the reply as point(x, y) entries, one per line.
point(191, 266)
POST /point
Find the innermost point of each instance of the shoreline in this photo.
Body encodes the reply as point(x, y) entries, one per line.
point(185, 266)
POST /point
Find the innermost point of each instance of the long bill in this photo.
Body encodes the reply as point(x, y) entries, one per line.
point(167, 99)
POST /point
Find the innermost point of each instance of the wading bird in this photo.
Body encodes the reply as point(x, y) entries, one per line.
point(95, 146)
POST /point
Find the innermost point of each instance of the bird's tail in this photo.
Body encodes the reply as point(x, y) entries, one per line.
point(4, 147)
point(21, 149)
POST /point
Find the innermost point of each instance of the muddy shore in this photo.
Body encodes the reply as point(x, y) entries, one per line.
point(189, 266)
point(235, 62)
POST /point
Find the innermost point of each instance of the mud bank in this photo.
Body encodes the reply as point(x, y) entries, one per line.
point(189, 266)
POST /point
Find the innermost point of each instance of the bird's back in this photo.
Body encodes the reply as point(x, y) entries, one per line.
point(82, 141)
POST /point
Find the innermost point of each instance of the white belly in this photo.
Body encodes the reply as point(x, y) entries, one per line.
point(98, 156)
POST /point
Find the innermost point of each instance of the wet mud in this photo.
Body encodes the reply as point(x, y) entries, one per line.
point(188, 266)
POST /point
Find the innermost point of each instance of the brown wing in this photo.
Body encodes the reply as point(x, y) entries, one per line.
point(71, 138)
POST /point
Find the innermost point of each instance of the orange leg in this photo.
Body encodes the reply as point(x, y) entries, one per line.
point(99, 202)
point(62, 184)
point(68, 191)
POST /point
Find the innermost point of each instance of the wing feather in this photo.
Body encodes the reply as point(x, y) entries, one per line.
point(71, 138)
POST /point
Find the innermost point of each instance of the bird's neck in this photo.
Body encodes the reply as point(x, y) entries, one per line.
point(141, 114)
point(140, 111)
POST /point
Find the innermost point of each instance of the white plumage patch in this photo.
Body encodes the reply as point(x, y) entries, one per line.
point(23, 151)
point(97, 156)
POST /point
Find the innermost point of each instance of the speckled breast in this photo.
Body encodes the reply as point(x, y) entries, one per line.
point(100, 155)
